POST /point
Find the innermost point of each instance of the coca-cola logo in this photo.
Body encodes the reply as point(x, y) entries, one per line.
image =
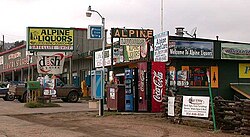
point(158, 86)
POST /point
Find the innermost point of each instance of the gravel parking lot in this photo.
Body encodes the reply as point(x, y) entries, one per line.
point(77, 120)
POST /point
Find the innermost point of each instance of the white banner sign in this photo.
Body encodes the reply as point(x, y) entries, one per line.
point(99, 60)
point(171, 106)
point(196, 106)
point(161, 47)
point(50, 62)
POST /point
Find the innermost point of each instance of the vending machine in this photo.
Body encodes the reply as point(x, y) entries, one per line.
point(129, 98)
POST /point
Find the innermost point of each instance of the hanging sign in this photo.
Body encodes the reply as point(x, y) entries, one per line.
point(50, 62)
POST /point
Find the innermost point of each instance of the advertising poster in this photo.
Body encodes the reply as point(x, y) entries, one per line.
point(161, 47)
point(49, 86)
point(49, 39)
point(50, 62)
point(244, 70)
point(131, 53)
point(172, 76)
point(196, 106)
point(132, 48)
point(118, 54)
point(171, 106)
point(215, 77)
point(158, 74)
point(142, 71)
point(191, 49)
point(182, 78)
point(235, 51)
point(98, 58)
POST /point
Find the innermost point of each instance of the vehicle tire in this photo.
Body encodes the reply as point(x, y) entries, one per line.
point(9, 97)
point(19, 99)
point(73, 97)
point(64, 99)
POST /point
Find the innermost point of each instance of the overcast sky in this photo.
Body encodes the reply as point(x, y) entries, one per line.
point(229, 19)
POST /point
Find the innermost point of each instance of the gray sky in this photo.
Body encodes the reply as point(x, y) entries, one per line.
point(229, 19)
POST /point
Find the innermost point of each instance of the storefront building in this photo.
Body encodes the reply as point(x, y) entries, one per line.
point(14, 63)
point(190, 62)
point(226, 62)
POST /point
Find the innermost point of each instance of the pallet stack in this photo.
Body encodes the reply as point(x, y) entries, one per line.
point(245, 126)
point(233, 116)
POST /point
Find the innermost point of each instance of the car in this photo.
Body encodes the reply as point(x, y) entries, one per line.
point(4, 92)
point(67, 93)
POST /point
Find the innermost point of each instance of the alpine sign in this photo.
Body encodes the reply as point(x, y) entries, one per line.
point(95, 32)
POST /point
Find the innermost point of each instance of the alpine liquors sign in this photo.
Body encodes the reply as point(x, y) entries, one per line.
point(50, 39)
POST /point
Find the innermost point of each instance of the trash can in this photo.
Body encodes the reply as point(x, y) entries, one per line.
point(116, 97)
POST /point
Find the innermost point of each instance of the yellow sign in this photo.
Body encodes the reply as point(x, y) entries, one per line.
point(50, 38)
point(214, 77)
point(244, 70)
point(185, 68)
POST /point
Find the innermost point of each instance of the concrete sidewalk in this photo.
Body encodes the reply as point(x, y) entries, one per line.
point(15, 108)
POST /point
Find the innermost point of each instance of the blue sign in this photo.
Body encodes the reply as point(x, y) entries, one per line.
point(99, 84)
point(95, 32)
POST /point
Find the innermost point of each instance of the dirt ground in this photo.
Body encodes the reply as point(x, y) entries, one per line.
point(89, 124)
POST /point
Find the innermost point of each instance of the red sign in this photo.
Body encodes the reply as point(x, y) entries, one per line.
point(158, 74)
point(142, 71)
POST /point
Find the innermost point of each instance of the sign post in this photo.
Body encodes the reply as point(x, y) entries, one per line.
point(211, 99)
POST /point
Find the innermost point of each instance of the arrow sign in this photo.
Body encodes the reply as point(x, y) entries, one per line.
point(95, 32)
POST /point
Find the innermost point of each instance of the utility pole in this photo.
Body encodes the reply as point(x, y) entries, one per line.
point(161, 15)
point(2, 46)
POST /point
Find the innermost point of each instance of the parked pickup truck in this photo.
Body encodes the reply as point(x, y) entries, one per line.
point(4, 92)
point(67, 93)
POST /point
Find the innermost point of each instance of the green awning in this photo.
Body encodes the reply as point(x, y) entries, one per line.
point(242, 88)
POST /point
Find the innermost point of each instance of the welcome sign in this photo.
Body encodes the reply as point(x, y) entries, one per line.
point(191, 49)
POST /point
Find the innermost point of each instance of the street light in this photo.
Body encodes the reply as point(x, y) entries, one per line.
point(88, 14)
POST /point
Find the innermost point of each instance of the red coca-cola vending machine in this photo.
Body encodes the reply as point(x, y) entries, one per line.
point(158, 76)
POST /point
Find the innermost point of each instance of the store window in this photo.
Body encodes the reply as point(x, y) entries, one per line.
point(197, 76)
